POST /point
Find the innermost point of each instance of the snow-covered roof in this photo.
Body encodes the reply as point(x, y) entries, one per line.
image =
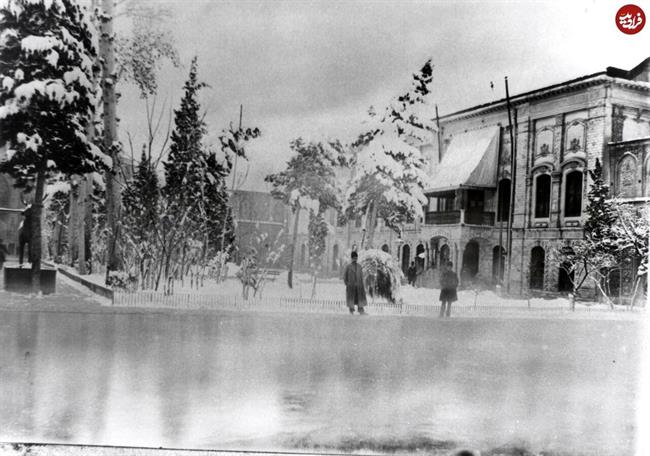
point(470, 161)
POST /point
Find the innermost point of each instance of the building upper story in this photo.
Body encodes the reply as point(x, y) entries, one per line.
point(558, 131)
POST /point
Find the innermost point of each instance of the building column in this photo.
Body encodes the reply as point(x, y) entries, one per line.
point(556, 195)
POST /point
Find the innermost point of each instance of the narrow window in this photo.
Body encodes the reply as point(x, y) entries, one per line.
point(504, 200)
point(542, 195)
point(573, 194)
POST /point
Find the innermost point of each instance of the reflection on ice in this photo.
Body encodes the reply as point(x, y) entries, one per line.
point(317, 382)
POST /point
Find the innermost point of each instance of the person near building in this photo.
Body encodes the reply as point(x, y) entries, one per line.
point(355, 293)
point(412, 273)
point(3, 253)
point(448, 286)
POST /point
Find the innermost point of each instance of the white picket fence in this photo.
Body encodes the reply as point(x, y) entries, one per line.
point(198, 301)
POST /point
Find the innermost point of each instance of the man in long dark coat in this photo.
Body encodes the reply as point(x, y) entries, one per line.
point(448, 285)
point(355, 293)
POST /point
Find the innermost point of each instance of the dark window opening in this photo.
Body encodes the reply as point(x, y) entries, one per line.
point(542, 196)
point(537, 268)
point(504, 200)
point(573, 194)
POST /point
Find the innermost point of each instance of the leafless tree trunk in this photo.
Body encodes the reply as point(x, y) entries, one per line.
point(81, 214)
point(73, 222)
point(371, 222)
point(294, 241)
point(113, 198)
point(36, 238)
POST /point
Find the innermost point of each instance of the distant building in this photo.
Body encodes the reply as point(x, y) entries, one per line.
point(260, 222)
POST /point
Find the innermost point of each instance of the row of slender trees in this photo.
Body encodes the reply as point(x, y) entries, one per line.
point(61, 62)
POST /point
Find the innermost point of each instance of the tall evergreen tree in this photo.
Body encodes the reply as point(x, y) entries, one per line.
point(600, 213)
point(185, 164)
point(141, 219)
point(195, 182)
point(47, 99)
point(389, 169)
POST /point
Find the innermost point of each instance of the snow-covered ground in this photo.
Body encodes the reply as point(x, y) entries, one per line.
point(333, 289)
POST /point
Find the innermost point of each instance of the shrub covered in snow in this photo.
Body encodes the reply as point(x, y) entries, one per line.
point(381, 274)
point(120, 280)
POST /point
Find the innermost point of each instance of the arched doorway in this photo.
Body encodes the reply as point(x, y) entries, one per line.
point(565, 278)
point(419, 257)
point(436, 246)
point(498, 263)
point(406, 256)
point(335, 258)
point(385, 248)
point(537, 268)
point(444, 255)
point(470, 260)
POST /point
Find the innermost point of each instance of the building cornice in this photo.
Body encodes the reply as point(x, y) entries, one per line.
point(547, 92)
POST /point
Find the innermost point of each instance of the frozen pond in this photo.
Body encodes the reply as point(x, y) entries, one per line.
point(336, 383)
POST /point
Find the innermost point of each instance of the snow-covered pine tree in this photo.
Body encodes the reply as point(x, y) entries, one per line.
point(218, 217)
point(47, 98)
point(185, 163)
point(141, 221)
point(389, 175)
point(600, 214)
point(185, 172)
point(308, 181)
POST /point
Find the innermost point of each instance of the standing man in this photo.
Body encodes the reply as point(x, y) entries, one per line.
point(412, 273)
point(355, 293)
point(3, 253)
point(448, 285)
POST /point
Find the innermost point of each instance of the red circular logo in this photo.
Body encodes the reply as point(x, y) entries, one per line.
point(630, 19)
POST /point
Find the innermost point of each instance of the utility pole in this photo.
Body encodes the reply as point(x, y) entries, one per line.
point(513, 173)
point(232, 194)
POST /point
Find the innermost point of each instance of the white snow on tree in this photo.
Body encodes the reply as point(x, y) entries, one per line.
point(389, 175)
point(382, 275)
point(47, 99)
point(308, 182)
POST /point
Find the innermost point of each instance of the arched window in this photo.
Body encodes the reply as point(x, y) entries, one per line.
point(537, 268)
point(626, 177)
point(542, 195)
point(504, 200)
point(335, 258)
point(573, 194)
point(566, 276)
point(498, 263)
point(471, 259)
point(406, 257)
point(419, 257)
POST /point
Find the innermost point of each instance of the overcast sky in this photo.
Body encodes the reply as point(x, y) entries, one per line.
point(312, 68)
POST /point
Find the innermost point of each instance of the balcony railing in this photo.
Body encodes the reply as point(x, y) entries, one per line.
point(442, 218)
point(454, 218)
point(479, 218)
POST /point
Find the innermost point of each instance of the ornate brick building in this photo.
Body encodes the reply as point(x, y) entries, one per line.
point(559, 132)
